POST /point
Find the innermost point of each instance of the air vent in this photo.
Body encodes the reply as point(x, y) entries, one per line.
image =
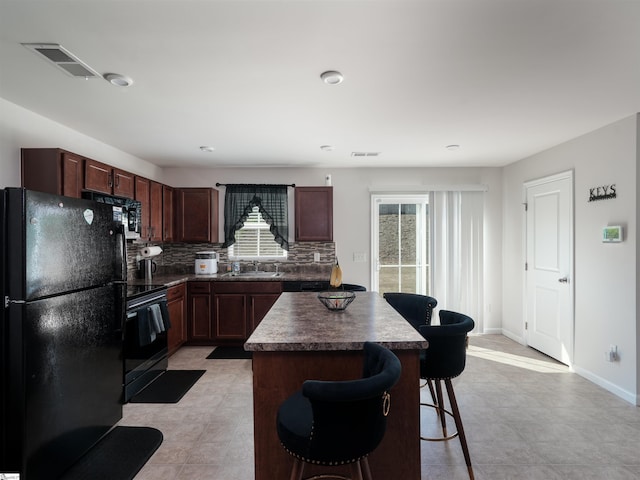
point(63, 59)
point(365, 154)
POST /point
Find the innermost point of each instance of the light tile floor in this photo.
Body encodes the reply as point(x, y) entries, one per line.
point(525, 416)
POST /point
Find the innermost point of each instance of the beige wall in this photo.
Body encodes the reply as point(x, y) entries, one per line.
point(21, 128)
point(605, 274)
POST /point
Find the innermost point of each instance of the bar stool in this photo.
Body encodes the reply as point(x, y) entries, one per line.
point(340, 422)
point(443, 360)
point(414, 308)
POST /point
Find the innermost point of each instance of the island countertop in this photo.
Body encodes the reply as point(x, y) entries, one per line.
point(299, 322)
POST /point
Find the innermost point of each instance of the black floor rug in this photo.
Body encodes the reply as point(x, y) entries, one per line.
point(169, 387)
point(121, 454)
point(230, 353)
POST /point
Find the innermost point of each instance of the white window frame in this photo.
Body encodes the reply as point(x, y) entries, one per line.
point(255, 226)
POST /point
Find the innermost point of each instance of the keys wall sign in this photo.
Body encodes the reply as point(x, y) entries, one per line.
point(604, 192)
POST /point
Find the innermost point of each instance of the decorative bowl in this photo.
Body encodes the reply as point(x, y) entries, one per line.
point(336, 301)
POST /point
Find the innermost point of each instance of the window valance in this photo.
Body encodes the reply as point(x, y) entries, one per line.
point(272, 203)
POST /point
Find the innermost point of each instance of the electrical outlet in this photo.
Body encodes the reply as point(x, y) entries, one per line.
point(359, 257)
point(316, 256)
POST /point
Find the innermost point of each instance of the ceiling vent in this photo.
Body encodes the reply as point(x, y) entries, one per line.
point(365, 154)
point(63, 59)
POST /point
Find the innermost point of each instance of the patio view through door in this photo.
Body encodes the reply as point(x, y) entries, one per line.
point(400, 244)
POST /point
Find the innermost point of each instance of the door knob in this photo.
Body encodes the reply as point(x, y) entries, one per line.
point(563, 280)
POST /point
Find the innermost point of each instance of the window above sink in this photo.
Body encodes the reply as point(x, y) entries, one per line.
point(254, 241)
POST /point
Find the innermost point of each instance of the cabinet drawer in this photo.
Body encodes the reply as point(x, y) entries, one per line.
point(248, 287)
point(175, 293)
point(199, 287)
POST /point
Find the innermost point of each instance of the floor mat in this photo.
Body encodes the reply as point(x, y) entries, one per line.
point(121, 454)
point(169, 387)
point(230, 353)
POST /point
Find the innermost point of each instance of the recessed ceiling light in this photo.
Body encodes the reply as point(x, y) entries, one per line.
point(452, 147)
point(207, 148)
point(332, 77)
point(327, 148)
point(118, 80)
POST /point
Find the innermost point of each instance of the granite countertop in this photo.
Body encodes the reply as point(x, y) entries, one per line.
point(299, 322)
point(172, 279)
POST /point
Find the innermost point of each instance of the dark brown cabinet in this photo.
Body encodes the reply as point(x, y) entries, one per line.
point(168, 209)
point(142, 188)
point(240, 306)
point(100, 177)
point(52, 170)
point(196, 215)
point(149, 194)
point(314, 214)
point(177, 306)
point(199, 313)
point(231, 313)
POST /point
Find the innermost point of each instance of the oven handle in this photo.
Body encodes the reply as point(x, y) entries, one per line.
point(147, 301)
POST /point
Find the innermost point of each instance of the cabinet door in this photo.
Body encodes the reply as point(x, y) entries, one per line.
point(168, 204)
point(52, 170)
point(97, 177)
point(199, 312)
point(231, 316)
point(71, 175)
point(176, 304)
point(259, 305)
point(314, 214)
point(142, 195)
point(123, 183)
point(155, 211)
point(197, 215)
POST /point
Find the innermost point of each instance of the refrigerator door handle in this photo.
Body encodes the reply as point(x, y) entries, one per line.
point(121, 248)
point(8, 301)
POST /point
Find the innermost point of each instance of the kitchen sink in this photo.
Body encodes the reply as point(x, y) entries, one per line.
point(254, 274)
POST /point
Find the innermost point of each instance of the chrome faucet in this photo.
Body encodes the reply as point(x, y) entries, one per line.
point(255, 265)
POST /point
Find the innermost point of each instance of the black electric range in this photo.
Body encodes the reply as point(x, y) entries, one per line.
point(137, 291)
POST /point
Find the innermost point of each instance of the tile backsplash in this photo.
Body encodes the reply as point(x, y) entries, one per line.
point(180, 257)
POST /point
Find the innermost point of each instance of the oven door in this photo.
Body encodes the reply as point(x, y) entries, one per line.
point(145, 345)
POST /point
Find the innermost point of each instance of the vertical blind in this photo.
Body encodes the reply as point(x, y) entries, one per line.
point(271, 202)
point(458, 252)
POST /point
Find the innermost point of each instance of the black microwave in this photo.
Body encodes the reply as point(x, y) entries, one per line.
point(125, 210)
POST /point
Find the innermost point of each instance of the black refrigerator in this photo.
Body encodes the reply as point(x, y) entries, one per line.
point(63, 283)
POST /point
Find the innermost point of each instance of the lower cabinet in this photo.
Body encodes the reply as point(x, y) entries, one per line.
point(240, 306)
point(226, 313)
point(199, 313)
point(177, 306)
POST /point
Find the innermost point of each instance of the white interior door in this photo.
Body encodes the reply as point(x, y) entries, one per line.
point(549, 263)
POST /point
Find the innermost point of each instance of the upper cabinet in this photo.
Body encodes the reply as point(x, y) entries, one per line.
point(168, 213)
point(314, 214)
point(103, 178)
point(52, 170)
point(196, 215)
point(149, 194)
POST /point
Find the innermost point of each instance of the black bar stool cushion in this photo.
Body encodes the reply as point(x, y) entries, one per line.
point(446, 355)
point(339, 422)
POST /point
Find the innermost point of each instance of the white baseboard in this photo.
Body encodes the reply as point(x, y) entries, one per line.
point(512, 336)
point(607, 385)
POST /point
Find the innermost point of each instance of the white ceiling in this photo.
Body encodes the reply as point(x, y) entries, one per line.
point(504, 79)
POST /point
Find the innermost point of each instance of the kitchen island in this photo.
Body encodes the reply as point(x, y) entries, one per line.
point(300, 339)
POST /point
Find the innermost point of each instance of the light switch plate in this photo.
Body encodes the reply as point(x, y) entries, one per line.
point(316, 256)
point(359, 257)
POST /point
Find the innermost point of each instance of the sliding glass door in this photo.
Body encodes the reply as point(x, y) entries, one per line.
point(401, 244)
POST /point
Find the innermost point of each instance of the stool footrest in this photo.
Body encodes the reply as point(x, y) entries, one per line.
point(439, 439)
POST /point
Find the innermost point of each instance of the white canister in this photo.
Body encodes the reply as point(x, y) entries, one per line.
point(206, 263)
